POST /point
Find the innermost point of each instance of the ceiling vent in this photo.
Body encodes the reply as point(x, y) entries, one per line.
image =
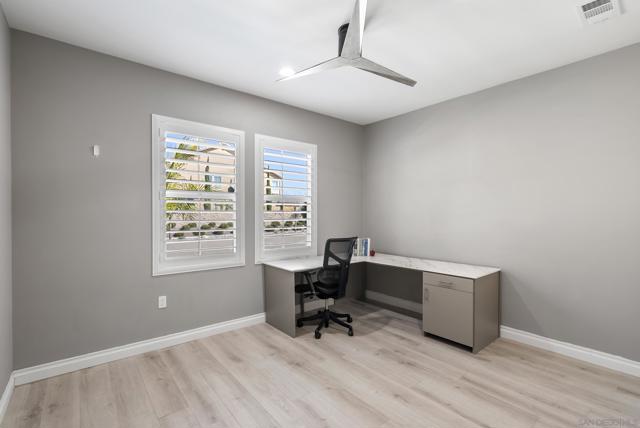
point(598, 10)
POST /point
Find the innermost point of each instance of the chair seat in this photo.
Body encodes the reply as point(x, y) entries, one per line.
point(326, 291)
point(323, 290)
point(303, 288)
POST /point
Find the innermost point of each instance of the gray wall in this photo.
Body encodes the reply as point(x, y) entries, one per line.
point(541, 177)
point(82, 260)
point(6, 344)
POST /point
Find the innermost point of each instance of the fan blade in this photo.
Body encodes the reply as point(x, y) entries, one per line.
point(323, 66)
point(352, 47)
point(372, 67)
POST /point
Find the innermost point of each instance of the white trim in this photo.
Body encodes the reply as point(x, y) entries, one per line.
point(260, 140)
point(68, 365)
point(6, 397)
point(581, 353)
point(158, 123)
point(197, 268)
point(393, 301)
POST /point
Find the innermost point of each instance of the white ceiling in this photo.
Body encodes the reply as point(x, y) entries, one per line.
point(452, 47)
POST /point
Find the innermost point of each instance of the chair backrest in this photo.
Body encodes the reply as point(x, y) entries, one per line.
point(337, 259)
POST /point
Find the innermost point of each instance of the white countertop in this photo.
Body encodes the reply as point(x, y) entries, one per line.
point(435, 266)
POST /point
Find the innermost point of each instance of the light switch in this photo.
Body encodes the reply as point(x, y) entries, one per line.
point(96, 150)
point(162, 302)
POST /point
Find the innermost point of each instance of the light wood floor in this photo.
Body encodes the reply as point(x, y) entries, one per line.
point(387, 375)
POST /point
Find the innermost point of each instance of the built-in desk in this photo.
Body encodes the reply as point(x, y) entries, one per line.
point(460, 302)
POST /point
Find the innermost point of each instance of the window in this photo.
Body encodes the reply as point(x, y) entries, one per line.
point(198, 195)
point(286, 215)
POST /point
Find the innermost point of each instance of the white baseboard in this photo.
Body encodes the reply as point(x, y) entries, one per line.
point(68, 365)
point(6, 397)
point(581, 353)
point(56, 368)
point(394, 301)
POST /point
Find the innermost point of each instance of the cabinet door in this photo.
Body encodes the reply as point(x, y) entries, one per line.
point(448, 313)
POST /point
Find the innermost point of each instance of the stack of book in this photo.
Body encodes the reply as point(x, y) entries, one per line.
point(363, 246)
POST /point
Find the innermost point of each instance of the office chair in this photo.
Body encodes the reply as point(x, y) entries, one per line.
point(331, 283)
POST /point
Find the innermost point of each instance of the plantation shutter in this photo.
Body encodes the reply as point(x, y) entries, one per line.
point(199, 198)
point(288, 213)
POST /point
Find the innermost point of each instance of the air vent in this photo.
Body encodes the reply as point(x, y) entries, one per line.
point(598, 10)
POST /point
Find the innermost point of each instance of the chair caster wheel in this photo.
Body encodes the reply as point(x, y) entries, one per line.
point(350, 332)
point(349, 319)
point(318, 334)
point(299, 323)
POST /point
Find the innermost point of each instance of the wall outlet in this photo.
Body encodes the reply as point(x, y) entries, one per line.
point(162, 302)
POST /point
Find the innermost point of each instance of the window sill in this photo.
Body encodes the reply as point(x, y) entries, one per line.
point(284, 257)
point(177, 270)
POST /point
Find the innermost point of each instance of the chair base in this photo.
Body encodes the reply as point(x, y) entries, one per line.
point(325, 316)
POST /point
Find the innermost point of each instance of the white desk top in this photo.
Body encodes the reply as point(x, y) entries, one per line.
point(445, 268)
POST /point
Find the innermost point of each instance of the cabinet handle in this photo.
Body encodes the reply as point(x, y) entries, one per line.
point(426, 294)
point(446, 284)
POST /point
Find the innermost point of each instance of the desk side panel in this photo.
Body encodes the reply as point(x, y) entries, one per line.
point(279, 299)
point(486, 310)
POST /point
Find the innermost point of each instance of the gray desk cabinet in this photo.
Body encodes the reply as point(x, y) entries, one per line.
point(463, 310)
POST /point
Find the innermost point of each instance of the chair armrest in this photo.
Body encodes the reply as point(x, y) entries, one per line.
point(309, 279)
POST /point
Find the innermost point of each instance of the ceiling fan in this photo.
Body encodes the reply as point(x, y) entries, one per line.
point(350, 51)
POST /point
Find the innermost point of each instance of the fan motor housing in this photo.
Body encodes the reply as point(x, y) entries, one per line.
point(342, 34)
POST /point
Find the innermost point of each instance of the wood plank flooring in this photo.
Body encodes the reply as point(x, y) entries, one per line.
point(388, 375)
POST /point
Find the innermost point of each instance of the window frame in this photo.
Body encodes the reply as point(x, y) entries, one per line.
point(160, 124)
point(261, 141)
